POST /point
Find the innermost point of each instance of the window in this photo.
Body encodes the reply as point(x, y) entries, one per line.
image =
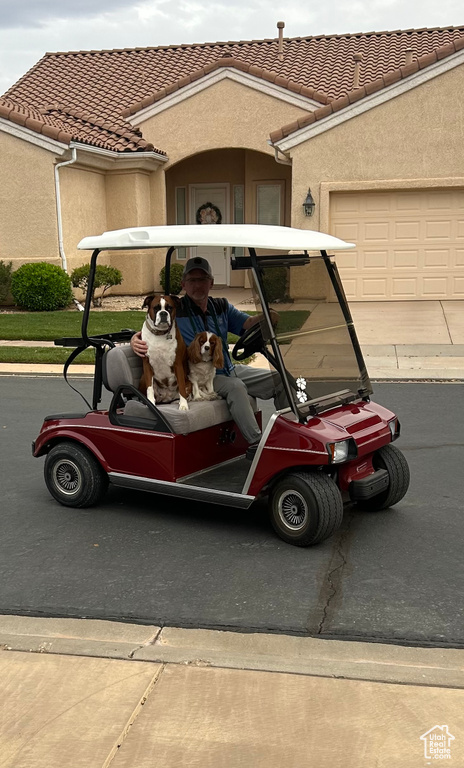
point(269, 206)
point(239, 212)
point(181, 218)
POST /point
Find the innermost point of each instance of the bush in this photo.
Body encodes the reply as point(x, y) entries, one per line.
point(105, 277)
point(5, 279)
point(176, 278)
point(275, 283)
point(41, 287)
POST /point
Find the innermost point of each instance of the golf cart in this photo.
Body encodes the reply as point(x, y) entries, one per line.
point(331, 445)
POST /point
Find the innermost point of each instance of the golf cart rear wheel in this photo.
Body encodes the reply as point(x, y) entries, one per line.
point(305, 508)
point(73, 476)
point(391, 459)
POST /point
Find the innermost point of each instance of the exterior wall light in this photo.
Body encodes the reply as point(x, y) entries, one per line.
point(309, 204)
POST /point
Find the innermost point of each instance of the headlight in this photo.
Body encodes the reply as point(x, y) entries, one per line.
point(394, 426)
point(339, 451)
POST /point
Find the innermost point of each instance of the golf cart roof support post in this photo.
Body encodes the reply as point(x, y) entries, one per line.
point(99, 349)
point(275, 347)
point(340, 294)
point(167, 271)
point(88, 298)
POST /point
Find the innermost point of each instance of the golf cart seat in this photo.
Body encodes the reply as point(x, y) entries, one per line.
point(122, 367)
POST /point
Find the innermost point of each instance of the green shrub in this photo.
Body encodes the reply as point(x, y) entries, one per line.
point(275, 283)
point(105, 277)
point(176, 278)
point(41, 287)
point(5, 279)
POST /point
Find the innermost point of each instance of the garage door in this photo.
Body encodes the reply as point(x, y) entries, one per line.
point(409, 244)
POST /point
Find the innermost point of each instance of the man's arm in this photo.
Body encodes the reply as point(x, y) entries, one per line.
point(253, 319)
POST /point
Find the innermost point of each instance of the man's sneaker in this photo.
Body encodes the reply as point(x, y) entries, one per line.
point(251, 451)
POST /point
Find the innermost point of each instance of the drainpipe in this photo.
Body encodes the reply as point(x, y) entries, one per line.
point(286, 161)
point(64, 263)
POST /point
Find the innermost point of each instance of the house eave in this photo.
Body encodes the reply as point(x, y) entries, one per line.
point(369, 102)
point(106, 159)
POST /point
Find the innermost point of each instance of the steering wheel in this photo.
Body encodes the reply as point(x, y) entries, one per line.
point(249, 342)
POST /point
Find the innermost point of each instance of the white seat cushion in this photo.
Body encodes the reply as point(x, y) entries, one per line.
point(200, 415)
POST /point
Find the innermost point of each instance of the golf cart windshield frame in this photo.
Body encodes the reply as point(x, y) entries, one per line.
point(311, 407)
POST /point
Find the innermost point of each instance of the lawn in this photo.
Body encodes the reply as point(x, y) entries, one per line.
point(44, 355)
point(47, 326)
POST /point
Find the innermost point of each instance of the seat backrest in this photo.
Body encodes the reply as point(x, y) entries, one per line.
point(121, 366)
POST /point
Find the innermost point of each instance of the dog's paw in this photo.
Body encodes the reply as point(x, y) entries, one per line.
point(183, 405)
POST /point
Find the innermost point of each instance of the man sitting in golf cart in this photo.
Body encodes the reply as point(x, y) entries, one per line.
point(199, 312)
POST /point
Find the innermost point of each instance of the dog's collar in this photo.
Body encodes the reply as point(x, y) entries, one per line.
point(153, 330)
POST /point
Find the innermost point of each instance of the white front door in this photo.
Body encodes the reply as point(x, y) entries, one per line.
point(209, 205)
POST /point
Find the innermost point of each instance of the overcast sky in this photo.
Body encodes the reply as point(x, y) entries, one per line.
point(29, 28)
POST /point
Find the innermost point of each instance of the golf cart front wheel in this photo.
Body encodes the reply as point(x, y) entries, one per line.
point(73, 476)
point(391, 459)
point(305, 508)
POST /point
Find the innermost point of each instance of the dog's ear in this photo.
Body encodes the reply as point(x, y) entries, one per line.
point(148, 300)
point(175, 300)
point(194, 350)
point(218, 357)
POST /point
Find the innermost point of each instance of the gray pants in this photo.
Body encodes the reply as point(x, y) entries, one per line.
point(244, 381)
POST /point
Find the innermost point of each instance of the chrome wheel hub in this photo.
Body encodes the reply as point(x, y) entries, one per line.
point(292, 509)
point(67, 477)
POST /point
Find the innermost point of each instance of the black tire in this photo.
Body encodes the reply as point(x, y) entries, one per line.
point(391, 459)
point(73, 476)
point(305, 508)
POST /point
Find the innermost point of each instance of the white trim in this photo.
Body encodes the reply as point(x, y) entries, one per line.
point(297, 450)
point(259, 450)
point(20, 132)
point(370, 102)
point(126, 430)
point(107, 159)
point(225, 73)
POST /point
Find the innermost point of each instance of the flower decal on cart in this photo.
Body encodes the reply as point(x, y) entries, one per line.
point(208, 214)
point(300, 393)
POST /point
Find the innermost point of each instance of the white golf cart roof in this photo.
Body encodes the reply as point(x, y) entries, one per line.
point(233, 235)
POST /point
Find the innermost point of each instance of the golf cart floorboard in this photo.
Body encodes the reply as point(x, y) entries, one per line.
point(229, 477)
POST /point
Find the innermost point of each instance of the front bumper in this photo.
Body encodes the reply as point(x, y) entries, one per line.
point(369, 486)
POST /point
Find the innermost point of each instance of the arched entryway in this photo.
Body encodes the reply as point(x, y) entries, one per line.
point(227, 186)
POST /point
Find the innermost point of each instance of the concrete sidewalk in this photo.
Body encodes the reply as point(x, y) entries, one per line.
point(104, 694)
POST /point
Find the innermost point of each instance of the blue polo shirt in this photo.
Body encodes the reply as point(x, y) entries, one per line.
point(220, 318)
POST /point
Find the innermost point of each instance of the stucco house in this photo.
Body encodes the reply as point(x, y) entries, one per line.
point(371, 123)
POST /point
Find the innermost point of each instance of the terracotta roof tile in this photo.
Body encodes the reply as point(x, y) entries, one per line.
point(109, 83)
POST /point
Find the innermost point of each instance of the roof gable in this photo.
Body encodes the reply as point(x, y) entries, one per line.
point(253, 76)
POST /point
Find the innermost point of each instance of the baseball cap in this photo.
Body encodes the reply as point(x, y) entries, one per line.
point(197, 263)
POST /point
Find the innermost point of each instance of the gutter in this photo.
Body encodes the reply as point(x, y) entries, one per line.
point(59, 221)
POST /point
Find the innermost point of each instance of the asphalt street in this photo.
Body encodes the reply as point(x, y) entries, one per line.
point(395, 575)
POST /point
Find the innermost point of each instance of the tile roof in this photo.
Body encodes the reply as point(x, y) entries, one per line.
point(87, 94)
point(376, 85)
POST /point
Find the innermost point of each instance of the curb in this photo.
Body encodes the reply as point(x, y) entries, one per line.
point(212, 648)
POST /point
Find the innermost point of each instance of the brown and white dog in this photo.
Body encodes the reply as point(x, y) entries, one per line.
point(165, 366)
point(204, 356)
